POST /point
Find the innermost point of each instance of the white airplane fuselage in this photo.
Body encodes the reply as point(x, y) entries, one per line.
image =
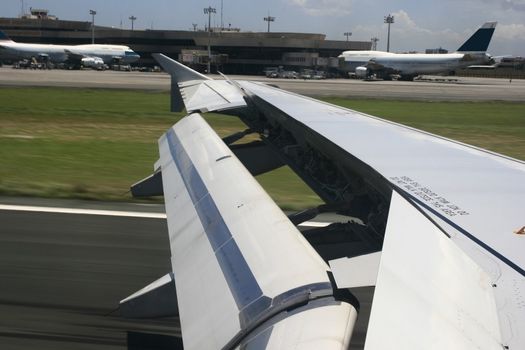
point(412, 64)
point(350, 60)
point(61, 53)
point(383, 64)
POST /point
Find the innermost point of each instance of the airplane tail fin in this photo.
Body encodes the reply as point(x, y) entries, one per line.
point(480, 40)
point(4, 36)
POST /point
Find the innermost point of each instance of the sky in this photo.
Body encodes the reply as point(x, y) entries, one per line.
point(418, 24)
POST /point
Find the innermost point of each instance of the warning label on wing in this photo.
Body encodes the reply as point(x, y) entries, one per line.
point(428, 196)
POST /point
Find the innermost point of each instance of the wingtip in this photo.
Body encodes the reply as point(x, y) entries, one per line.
point(178, 71)
point(159, 56)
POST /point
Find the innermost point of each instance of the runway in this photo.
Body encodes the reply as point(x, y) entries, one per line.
point(63, 273)
point(464, 89)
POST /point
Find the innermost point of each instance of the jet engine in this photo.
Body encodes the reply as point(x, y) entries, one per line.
point(93, 62)
point(361, 72)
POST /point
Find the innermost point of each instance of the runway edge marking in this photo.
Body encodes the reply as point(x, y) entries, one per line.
point(60, 210)
point(133, 214)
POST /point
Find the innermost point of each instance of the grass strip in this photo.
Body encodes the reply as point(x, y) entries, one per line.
point(94, 143)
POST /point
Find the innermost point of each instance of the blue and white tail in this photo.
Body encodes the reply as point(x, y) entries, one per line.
point(480, 40)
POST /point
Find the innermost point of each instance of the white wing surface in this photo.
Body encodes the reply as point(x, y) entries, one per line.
point(239, 263)
point(450, 180)
point(475, 195)
point(438, 226)
point(210, 95)
point(429, 293)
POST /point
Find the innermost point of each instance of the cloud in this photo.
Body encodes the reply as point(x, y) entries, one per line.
point(324, 7)
point(518, 5)
point(408, 35)
point(495, 5)
point(510, 32)
point(404, 23)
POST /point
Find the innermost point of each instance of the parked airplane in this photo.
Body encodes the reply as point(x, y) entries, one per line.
point(90, 54)
point(384, 64)
point(440, 234)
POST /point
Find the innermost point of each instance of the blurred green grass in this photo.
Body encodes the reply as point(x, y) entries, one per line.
point(94, 143)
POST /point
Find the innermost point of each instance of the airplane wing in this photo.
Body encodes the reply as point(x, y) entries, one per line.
point(240, 265)
point(74, 56)
point(429, 293)
point(197, 92)
point(447, 219)
point(374, 65)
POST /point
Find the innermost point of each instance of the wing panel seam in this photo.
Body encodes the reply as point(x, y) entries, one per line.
point(467, 234)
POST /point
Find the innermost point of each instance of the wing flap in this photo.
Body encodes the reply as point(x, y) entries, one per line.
point(359, 271)
point(429, 294)
point(158, 299)
point(210, 95)
point(471, 193)
point(301, 329)
point(237, 259)
point(74, 56)
point(450, 180)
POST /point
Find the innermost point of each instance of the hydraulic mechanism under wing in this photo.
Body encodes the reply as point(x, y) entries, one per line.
point(432, 226)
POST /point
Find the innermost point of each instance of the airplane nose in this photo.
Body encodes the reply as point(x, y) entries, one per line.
point(131, 56)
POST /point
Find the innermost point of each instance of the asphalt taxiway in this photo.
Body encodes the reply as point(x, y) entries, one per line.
point(65, 265)
point(461, 89)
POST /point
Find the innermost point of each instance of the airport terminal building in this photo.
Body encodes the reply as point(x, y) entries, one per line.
point(233, 51)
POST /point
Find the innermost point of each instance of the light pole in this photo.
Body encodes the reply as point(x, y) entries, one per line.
point(222, 23)
point(132, 18)
point(388, 20)
point(92, 13)
point(269, 19)
point(348, 34)
point(374, 43)
point(209, 10)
